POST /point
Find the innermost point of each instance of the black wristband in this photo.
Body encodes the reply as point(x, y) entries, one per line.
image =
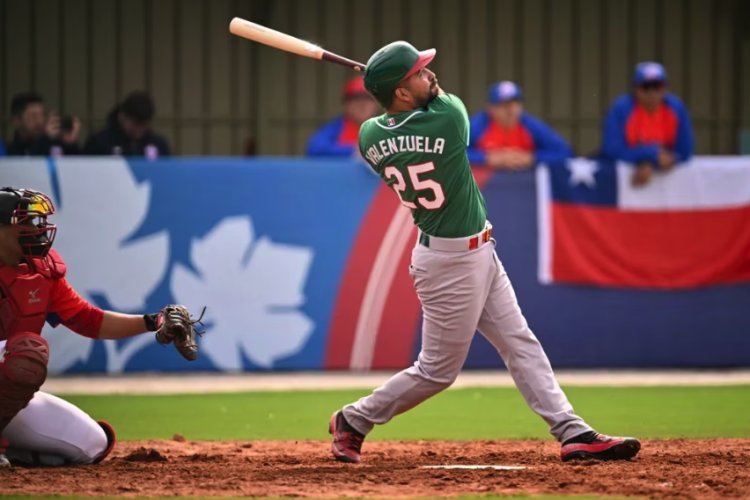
point(151, 321)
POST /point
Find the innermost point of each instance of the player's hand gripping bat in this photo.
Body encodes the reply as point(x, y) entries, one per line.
point(288, 43)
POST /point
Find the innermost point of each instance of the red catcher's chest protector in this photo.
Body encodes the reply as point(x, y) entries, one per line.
point(25, 295)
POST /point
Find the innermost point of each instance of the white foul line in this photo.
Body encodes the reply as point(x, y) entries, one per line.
point(475, 467)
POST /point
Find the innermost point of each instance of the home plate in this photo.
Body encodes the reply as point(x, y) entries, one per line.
point(475, 467)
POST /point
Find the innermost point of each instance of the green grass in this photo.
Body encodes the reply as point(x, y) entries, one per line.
point(465, 414)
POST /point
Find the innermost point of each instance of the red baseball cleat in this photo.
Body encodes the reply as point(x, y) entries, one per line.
point(347, 441)
point(592, 445)
point(109, 431)
point(4, 462)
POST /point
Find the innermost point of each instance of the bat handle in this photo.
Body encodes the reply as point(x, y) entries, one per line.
point(335, 58)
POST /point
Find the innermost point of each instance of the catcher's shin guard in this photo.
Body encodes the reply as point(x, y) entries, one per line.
point(23, 370)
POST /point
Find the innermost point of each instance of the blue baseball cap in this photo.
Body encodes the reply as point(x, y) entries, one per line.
point(649, 72)
point(504, 91)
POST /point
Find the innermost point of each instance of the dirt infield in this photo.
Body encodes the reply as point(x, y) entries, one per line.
point(716, 468)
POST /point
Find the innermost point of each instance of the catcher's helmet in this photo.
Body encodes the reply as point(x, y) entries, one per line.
point(28, 210)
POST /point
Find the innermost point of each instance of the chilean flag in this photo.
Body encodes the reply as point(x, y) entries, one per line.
point(686, 228)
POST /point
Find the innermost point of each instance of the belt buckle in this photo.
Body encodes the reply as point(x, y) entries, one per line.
point(484, 237)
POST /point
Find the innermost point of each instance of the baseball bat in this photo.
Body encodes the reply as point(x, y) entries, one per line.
point(282, 41)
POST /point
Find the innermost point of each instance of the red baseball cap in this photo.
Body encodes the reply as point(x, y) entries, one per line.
point(424, 58)
point(354, 88)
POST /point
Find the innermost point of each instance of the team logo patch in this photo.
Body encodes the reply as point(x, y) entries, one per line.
point(391, 122)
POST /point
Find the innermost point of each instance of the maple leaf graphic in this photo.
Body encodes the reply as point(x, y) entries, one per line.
point(252, 289)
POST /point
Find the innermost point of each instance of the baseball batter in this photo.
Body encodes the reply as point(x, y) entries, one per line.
point(37, 428)
point(418, 147)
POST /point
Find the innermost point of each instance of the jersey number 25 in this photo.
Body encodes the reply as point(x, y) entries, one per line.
point(430, 203)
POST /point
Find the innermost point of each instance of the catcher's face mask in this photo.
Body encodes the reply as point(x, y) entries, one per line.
point(27, 211)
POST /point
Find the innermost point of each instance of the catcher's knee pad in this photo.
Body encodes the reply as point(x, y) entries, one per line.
point(23, 370)
point(25, 362)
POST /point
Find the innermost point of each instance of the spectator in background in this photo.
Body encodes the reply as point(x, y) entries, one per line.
point(339, 136)
point(505, 137)
point(37, 133)
point(128, 131)
point(648, 127)
point(2, 147)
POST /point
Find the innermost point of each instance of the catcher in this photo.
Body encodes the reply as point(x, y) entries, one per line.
point(38, 428)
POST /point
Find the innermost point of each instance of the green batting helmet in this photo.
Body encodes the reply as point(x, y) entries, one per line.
point(390, 65)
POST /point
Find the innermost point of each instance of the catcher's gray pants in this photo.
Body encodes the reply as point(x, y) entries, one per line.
point(462, 292)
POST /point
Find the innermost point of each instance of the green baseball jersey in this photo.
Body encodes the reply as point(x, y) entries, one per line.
point(421, 154)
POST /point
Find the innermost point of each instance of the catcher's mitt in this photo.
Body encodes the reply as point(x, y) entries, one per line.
point(174, 324)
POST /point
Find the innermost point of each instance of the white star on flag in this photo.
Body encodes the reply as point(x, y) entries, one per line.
point(582, 172)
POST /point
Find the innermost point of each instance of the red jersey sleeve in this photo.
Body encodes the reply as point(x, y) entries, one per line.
point(73, 311)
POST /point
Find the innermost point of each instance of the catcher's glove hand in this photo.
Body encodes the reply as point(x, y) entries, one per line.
point(174, 324)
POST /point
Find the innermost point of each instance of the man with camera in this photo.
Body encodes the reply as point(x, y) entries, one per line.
point(39, 133)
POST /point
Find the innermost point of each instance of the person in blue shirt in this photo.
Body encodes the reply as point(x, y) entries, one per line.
point(339, 136)
point(649, 127)
point(2, 147)
point(504, 136)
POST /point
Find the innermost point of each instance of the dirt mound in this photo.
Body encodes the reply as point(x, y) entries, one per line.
point(145, 455)
point(716, 468)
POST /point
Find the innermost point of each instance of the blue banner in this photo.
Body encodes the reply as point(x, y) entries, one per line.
point(302, 265)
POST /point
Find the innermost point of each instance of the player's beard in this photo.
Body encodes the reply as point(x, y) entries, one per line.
point(434, 89)
point(432, 93)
